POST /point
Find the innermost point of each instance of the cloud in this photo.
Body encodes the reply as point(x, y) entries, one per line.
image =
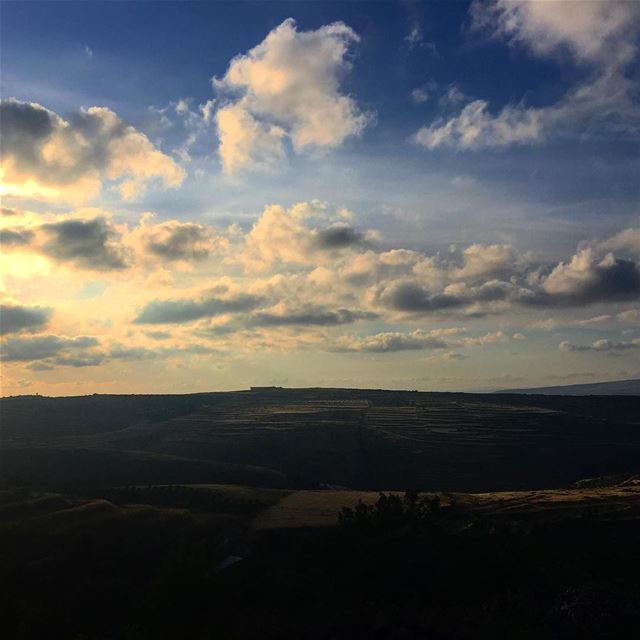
point(246, 142)
point(627, 240)
point(41, 347)
point(46, 352)
point(284, 235)
point(419, 95)
point(587, 279)
point(413, 297)
point(175, 240)
point(481, 261)
point(593, 32)
point(392, 341)
point(15, 318)
point(309, 317)
point(497, 337)
point(339, 236)
point(601, 346)
point(185, 310)
point(289, 86)
point(419, 340)
point(47, 157)
point(16, 237)
point(475, 128)
point(599, 35)
point(415, 37)
point(90, 244)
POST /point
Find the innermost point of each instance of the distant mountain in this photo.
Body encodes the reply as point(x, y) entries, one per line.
point(614, 388)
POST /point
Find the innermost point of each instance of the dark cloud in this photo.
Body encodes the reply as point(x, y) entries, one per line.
point(46, 352)
point(582, 281)
point(42, 347)
point(40, 366)
point(15, 237)
point(158, 335)
point(177, 311)
point(313, 317)
point(338, 236)
point(16, 318)
point(142, 353)
point(414, 298)
point(82, 360)
point(610, 280)
point(25, 128)
point(90, 244)
point(90, 143)
point(186, 241)
point(8, 211)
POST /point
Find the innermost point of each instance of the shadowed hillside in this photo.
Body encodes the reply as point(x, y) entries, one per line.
point(363, 439)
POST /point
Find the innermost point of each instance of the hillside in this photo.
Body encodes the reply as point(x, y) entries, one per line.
point(311, 438)
point(613, 388)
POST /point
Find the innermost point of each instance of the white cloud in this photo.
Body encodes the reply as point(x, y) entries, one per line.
point(591, 30)
point(289, 85)
point(485, 260)
point(602, 345)
point(475, 128)
point(419, 95)
point(600, 35)
point(627, 240)
point(47, 157)
point(247, 142)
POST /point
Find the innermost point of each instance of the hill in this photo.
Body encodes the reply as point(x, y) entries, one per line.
point(312, 438)
point(613, 388)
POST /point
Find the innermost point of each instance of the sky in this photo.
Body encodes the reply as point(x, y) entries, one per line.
point(202, 196)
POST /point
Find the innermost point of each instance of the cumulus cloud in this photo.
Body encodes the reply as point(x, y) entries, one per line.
point(600, 35)
point(285, 235)
point(338, 236)
point(246, 142)
point(24, 349)
point(45, 352)
point(497, 337)
point(289, 86)
point(89, 244)
point(414, 297)
point(590, 31)
point(173, 240)
point(15, 318)
point(16, 237)
point(309, 317)
point(475, 128)
point(187, 310)
point(392, 341)
point(481, 261)
point(100, 244)
point(626, 240)
point(45, 156)
point(419, 340)
point(587, 279)
point(601, 346)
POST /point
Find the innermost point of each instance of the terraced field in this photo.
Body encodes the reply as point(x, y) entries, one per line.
point(312, 438)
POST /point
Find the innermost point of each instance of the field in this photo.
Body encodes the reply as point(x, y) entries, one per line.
point(315, 438)
point(256, 515)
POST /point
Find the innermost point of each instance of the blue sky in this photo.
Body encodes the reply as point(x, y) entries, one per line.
point(491, 143)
